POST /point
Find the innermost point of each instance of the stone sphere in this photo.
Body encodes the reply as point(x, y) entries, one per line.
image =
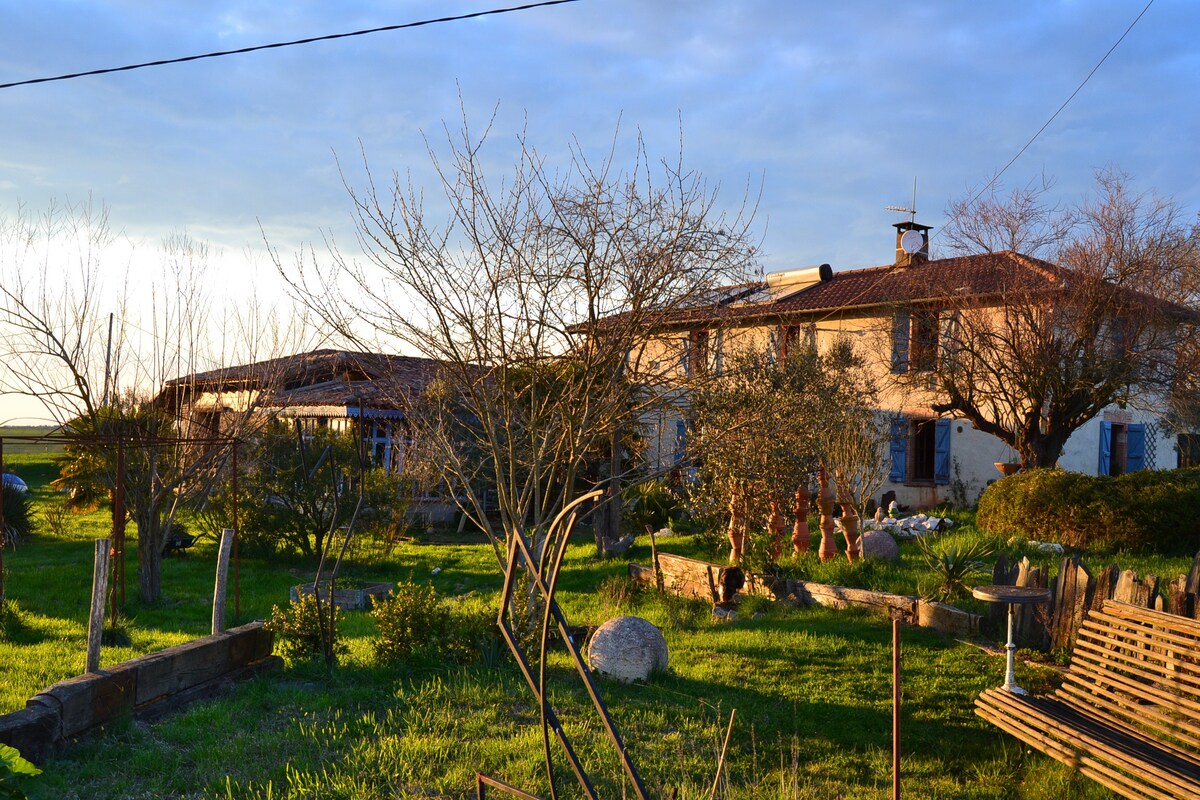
point(627, 649)
point(881, 545)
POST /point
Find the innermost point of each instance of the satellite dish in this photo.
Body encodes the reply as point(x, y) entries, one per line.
point(912, 242)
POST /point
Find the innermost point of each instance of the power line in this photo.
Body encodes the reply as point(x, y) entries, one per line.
point(995, 178)
point(1054, 116)
point(310, 40)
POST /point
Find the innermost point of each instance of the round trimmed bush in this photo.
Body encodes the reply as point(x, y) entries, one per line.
point(1144, 511)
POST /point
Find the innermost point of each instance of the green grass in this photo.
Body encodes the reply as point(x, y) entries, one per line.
point(812, 690)
point(13, 446)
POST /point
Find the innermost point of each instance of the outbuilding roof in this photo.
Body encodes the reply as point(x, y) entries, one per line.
point(317, 378)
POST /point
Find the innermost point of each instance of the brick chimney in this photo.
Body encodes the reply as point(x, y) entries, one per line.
point(914, 249)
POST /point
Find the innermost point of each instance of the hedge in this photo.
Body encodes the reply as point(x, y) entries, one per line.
point(1145, 511)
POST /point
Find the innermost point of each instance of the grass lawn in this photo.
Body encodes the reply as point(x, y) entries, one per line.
point(812, 690)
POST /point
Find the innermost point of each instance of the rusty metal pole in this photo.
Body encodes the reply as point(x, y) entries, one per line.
point(237, 582)
point(896, 708)
point(3, 530)
point(118, 533)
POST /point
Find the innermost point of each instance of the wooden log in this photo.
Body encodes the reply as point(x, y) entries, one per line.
point(88, 700)
point(33, 730)
point(822, 594)
point(1031, 621)
point(1126, 588)
point(1073, 587)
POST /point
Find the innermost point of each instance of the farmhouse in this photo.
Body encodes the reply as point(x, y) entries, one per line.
point(908, 319)
point(323, 389)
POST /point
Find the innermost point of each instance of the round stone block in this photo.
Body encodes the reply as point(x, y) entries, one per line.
point(627, 649)
point(881, 545)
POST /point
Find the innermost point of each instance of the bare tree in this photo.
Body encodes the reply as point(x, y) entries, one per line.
point(95, 357)
point(853, 435)
point(1106, 319)
point(535, 292)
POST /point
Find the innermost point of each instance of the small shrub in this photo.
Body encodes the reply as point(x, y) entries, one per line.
point(650, 504)
point(951, 566)
point(756, 552)
point(300, 631)
point(413, 623)
point(116, 633)
point(11, 623)
point(57, 515)
point(473, 635)
point(416, 626)
point(18, 514)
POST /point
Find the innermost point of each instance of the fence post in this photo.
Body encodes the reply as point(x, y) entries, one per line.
point(99, 595)
point(218, 616)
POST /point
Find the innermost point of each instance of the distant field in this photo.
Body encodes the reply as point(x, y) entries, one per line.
point(22, 445)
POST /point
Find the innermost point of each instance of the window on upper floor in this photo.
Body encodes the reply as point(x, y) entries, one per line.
point(704, 353)
point(791, 338)
point(915, 341)
point(696, 355)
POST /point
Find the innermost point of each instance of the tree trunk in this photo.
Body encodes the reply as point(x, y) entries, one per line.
point(149, 557)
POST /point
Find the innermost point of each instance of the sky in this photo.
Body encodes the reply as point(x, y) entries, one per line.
point(828, 112)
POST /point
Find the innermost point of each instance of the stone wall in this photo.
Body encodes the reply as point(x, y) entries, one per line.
point(146, 687)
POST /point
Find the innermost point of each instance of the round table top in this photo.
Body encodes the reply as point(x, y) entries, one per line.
point(1011, 594)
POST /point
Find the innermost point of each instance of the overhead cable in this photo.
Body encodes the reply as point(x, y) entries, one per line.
point(309, 40)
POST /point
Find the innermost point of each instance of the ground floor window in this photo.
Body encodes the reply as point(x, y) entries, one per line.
point(1122, 448)
point(920, 450)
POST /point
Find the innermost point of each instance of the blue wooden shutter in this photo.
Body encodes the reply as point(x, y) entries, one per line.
point(941, 452)
point(899, 447)
point(1105, 448)
point(1135, 453)
point(900, 342)
point(680, 440)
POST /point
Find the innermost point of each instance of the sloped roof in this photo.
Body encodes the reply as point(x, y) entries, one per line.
point(317, 378)
point(948, 281)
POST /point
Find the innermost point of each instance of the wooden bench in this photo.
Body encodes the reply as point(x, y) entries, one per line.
point(1128, 712)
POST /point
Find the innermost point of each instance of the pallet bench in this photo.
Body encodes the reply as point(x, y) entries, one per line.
point(1128, 712)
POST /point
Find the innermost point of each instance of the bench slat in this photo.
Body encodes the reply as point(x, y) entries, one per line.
point(1156, 773)
point(1119, 782)
point(1177, 655)
point(1095, 679)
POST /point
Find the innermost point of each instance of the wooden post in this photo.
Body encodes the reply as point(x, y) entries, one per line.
point(218, 615)
point(237, 574)
point(99, 595)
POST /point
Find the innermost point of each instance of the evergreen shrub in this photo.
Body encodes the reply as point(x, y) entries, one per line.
point(1145, 511)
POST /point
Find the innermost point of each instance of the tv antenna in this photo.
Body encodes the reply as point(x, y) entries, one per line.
point(911, 210)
